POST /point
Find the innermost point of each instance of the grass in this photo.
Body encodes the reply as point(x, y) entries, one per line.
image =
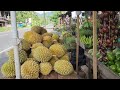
point(4, 29)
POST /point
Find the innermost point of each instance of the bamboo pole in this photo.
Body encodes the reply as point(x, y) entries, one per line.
point(94, 44)
point(77, 45)
point(70, 23)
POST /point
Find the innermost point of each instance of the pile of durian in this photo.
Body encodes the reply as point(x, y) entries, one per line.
point(40, 53)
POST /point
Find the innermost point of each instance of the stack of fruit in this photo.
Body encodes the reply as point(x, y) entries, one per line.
point(86, 29)
point(87, 41)
point(113, 58)
point(98, 55)
point(39, 53)
point(108, 32)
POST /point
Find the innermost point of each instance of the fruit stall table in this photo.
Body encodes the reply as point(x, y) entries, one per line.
point(103, 71)
point(22, 65)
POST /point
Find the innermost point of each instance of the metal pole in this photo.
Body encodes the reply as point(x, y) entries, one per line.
point(94, 45)
point(44, 19)
point(15, 37)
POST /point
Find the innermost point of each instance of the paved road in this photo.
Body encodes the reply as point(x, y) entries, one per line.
point(6, 38)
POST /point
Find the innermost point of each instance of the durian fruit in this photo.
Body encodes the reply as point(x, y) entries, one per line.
point(33, 47)
point(60, 40)
point(24, 45)
point(43, 30)
point(47, 41)
point(32, 37)
point(42, 54)
point(53, 60)
point(30, 59)
point(64, 48)
point(22, 55)
point(65, 57)
point(30, 56)
point(47, 34)
point(57, 49)
point(63, 67)
point(45, 68)
point(36, 29)
point(55, 41)
point(55, 36)
point(36, 45)
point(30, 69)
point(8, 69)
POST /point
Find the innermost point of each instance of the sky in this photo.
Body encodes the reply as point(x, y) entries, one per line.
point(40, 12)
point(73, 13)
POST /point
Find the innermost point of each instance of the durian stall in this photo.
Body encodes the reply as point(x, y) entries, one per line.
point(38, 55)
point(46, 55)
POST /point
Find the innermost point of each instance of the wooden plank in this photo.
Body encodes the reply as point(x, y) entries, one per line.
point(84, 68)
point(77, 45)
point(109, 74)
point(94, 45)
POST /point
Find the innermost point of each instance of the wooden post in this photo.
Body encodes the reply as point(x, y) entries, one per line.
point(70, 23)
point(94, 44)
point(78, 43)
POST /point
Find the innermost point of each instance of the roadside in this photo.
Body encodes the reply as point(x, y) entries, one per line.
point(7, 29)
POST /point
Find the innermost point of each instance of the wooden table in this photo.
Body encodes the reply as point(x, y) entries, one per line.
point(103, 70)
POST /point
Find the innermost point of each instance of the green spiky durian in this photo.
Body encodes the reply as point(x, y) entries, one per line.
point(30, 56)
point(55, 36)
point(8, 69)
point(22, 55)
point(24, 45)
point(33, 47)
point(43, 30)
point(65, 57)
point(36, 45)
point(45, 68)
point(64, 48)
point(47, 34)
point(30, 59)
point(32, 37)
point(42, 54)
point(55, 41)
point(63, 67)
point(47, 41)
point(57, 49)
point(30, 69)
point(36, 29)
point(53, 60)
